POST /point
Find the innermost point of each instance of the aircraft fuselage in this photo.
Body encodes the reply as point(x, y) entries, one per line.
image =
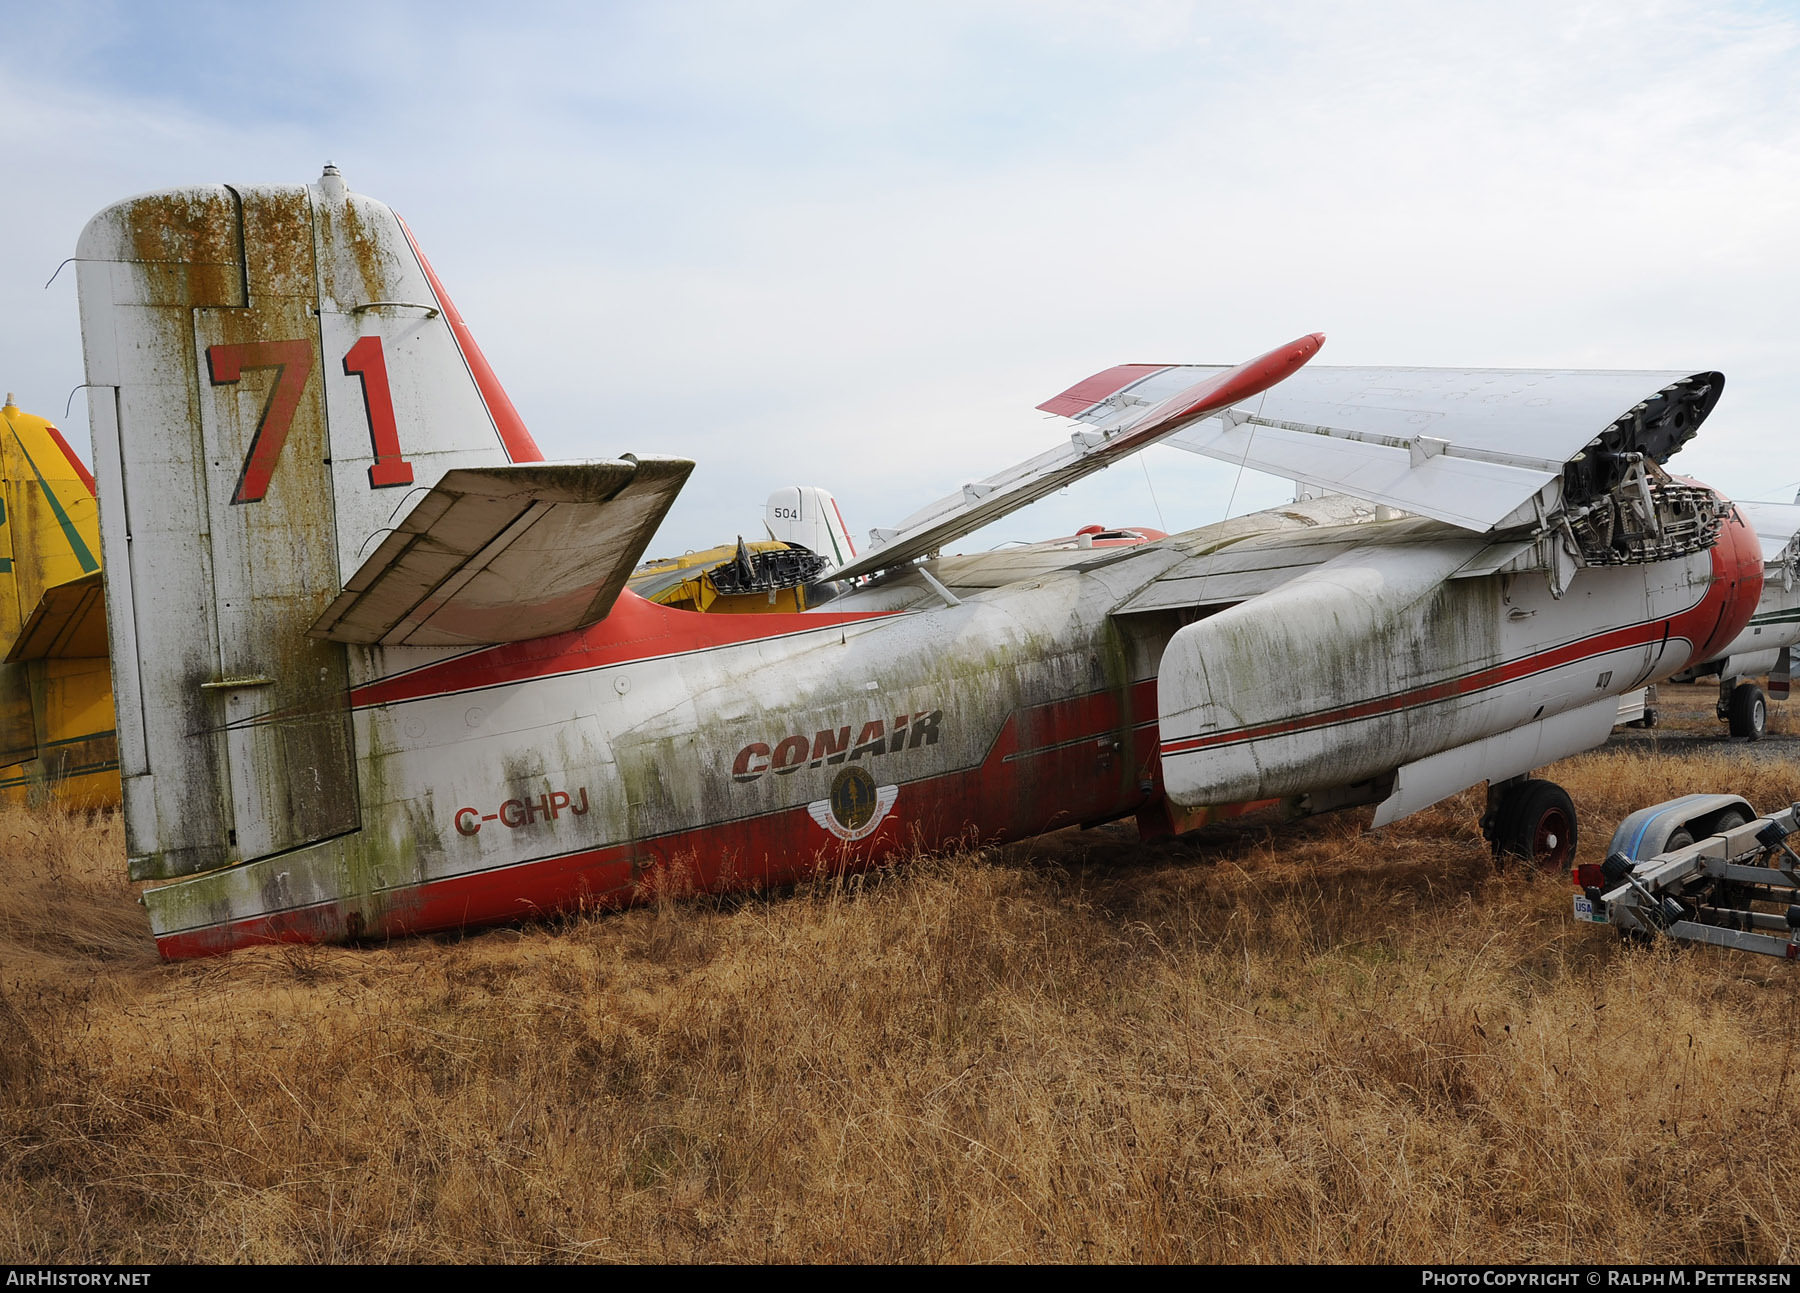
point(661, 748)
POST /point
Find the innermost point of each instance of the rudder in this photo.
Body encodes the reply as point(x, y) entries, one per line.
point(277, 373)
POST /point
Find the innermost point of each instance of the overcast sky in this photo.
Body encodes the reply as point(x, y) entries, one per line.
point(853, 244)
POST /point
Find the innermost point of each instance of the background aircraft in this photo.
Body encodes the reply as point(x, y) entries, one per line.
point(56, 712)
point(794, 569)
point(378, 670)
point(788, 572)
point(1765, 647)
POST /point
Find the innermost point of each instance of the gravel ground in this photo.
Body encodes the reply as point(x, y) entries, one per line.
point(1688, 725)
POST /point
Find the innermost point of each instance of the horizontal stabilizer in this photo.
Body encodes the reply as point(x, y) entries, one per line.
point(69, 622)
point(504, 554)
point(985, 501)
point(1482, 449)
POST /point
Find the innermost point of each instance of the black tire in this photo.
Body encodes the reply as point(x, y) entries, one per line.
point(1730, 820)
point(1536, 822)
point(1725, 893)
point(1749, 712)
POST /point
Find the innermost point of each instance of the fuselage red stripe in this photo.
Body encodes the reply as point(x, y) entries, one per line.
point(771, 845)
point(1622, 639)
point(637, 630)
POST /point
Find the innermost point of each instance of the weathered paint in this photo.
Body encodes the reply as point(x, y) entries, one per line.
point(1037, 732)
point(1035, 698)
point(1384, 660)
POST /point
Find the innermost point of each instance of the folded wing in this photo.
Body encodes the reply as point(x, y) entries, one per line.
point(1777, 527)
point(1483, 449)
point(985, 501)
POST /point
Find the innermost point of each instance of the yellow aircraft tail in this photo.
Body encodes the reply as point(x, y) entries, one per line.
point(57, 742)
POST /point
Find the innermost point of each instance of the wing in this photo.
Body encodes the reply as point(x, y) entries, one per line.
point(1777, 525)
point(1483, 449)
point(984, 501)
point(504, 554)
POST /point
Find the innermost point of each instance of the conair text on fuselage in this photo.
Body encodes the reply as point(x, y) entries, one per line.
point(791, 753)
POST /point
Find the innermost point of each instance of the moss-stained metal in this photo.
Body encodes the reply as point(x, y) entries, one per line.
point(312, 789)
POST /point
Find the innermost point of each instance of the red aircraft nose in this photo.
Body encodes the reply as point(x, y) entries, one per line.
point(1737, 583)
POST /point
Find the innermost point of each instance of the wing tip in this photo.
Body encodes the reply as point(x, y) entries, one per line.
point(1089, 391)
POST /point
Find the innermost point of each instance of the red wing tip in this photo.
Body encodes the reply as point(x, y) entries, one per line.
point(1294, 354)
point(1090, 391)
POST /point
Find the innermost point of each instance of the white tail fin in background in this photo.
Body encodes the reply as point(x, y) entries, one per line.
point(281, 381)
point(808, 516)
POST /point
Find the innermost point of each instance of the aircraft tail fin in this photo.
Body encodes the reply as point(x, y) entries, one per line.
point(56, 726)
point(49, 519)
point(278, 380)
point(809, 516)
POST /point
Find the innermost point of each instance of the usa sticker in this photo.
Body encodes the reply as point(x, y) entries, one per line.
point(1584, 910)
point(856, 807)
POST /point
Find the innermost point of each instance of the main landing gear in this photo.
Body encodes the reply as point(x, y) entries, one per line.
point(1745, 708)
point(1530, 819)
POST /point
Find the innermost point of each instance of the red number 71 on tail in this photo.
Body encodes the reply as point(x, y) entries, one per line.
point(293, 362)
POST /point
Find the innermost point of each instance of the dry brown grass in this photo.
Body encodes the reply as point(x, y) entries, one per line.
point(1310, 1044)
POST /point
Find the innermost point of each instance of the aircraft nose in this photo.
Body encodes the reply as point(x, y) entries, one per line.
point(1737, 568)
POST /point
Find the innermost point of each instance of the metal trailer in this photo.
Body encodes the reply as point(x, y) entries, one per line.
point(1733, 888)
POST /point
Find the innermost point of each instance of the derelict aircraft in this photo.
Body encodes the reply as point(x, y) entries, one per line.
point(1766, 646)
point(56, 715)
point(378, 673)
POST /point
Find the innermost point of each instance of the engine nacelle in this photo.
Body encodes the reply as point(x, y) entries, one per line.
point(1317, 682)
point(1381, 658)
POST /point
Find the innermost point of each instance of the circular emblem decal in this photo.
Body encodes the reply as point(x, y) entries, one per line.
point(853, 798)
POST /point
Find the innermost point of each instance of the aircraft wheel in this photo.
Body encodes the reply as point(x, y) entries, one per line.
point(1536, 822)
point(1749, 712)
